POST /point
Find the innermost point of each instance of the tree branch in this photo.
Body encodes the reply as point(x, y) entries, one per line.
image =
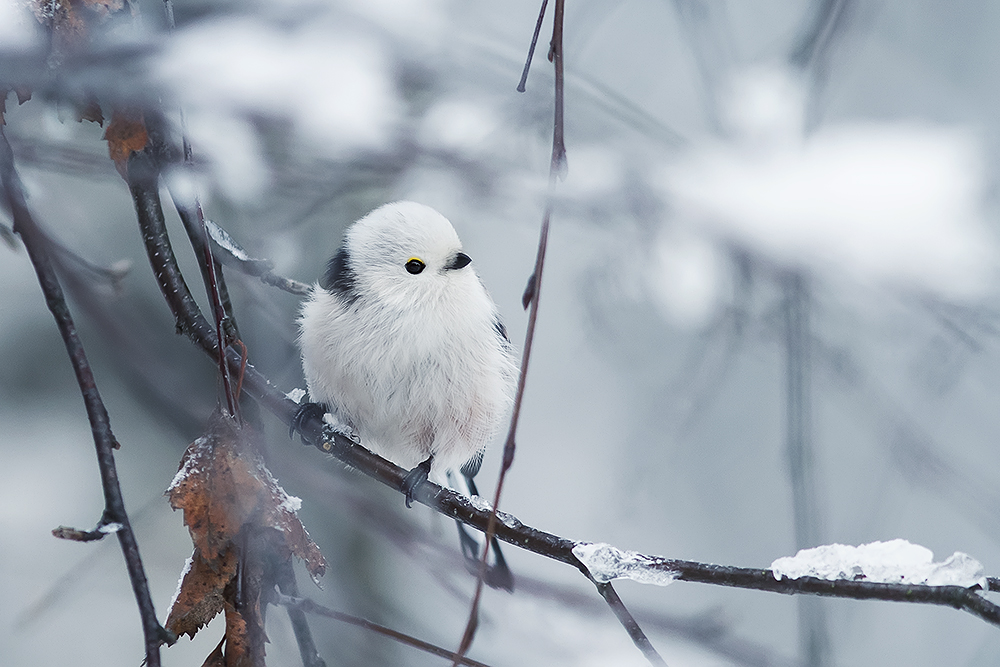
point(308, 606)
point(530, 299)
point(100, 424)
point(625, 617)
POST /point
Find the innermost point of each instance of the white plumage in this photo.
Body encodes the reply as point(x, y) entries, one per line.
point(402, 343)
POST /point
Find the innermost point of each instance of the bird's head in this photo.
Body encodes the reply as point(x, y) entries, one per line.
point(402, 252)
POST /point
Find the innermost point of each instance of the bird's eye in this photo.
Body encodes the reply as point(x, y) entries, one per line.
point(414, 266)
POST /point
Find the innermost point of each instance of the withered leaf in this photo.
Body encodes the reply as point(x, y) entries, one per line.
point(125, 134)
point(90, 111)
point(23, 95)
point(216, 658)
point(69, 27)
point(244, 645)
point(238, 517)
point(217, 491)
point(200, 594)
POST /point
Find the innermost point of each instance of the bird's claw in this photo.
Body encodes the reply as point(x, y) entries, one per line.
point(414, 479)
point(305, 412)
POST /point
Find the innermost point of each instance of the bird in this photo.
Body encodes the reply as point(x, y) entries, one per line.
point(404, 352)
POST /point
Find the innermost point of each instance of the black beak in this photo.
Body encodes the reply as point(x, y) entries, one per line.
point(459, 261)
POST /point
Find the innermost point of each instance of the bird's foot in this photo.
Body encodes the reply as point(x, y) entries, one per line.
point(414, 479)
point(305, 412)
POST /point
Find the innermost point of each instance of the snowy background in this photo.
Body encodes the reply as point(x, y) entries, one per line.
point(706, 166)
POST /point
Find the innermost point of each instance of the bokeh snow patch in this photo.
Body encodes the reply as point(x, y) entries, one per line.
point(335, 88)
point(18, 30)
point(897, 203)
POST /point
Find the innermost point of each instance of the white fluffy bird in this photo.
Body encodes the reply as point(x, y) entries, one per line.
point(403, 347)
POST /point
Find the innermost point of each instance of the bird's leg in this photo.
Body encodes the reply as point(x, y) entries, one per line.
point(415, 478)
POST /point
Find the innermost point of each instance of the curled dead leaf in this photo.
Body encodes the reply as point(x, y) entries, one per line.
point(200, 594)
point(241, 521)
point(125, 134)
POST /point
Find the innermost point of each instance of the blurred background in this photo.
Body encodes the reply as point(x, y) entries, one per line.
point(769, 319)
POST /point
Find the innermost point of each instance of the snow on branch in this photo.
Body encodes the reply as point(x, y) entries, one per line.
point(893, 562)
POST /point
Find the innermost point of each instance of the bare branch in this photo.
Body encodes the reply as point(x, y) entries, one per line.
point(308, 606)
point(104, 440)
point(829, 17)
point(638, 637)
point(510, 529)
point(284, 576)
point(531, 49)
point(230, 253)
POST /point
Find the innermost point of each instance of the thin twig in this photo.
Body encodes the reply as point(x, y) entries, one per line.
point(308, 606)
point(557, 168)
point(231, 253)
point(531, 49)
point(828, 17)
point(213, 282)
point(284, 576)
point(530, 299)
point(218, 295)
point(639, 638)
point(100, 424)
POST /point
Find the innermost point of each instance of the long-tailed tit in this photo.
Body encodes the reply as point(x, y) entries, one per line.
point(404, 349)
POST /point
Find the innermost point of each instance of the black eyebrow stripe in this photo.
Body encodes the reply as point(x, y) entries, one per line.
point(340, 278)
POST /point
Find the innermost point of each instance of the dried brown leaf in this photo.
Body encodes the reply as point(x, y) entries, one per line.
point(216, 658)
point(90, 111)
point(216, 489)
point(239, 519)
point(69, 27)
point(280, 515)
point(200, 595)
point(125, 134)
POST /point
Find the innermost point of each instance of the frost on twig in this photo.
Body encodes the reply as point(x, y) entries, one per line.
point(893, 562)
point(232, 253)
point(606, 563)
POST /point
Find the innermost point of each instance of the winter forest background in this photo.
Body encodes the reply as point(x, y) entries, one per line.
point(777, 233)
